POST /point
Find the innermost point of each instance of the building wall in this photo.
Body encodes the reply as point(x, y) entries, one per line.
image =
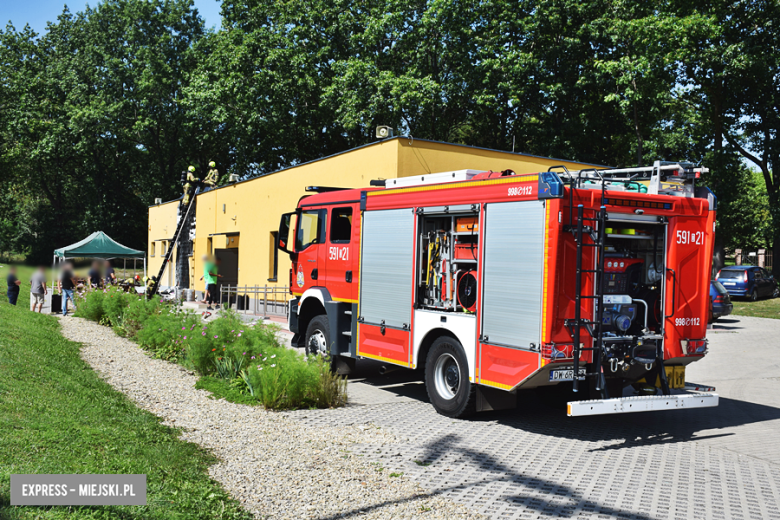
point(253, 208)
point(418, 157)
point(162, 226)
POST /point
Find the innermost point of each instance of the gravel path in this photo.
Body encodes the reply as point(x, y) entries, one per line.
point(276, 467)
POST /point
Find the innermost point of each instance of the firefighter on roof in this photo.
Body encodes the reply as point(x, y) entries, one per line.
point(213, 176)
point(189, 185)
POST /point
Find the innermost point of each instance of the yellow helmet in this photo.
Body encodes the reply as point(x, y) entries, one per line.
point(212, 164)
point(191, 168)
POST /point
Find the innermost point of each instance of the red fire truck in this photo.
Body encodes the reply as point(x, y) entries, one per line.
point(578, 284)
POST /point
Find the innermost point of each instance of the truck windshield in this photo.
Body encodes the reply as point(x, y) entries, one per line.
point(311, 227)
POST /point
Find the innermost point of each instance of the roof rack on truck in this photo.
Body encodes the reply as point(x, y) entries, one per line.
point(665, 178)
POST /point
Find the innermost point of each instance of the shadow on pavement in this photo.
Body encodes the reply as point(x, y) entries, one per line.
point(638, 429)
point(570, 503)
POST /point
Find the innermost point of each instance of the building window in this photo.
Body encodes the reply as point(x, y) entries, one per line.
point(273, 260)
point(340, 225)
point(153, 248)
point(163, 247)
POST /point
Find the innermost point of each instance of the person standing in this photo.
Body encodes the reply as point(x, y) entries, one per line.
point(110, 275)
point(94, 275)
point(206, 276)
point(66, 284)
point(211, 275)
point(38, 288)
point(13, 285)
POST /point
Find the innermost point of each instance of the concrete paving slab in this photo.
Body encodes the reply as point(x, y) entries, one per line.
point(535, 462)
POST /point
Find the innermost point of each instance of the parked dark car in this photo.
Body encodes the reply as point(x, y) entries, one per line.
point(748, 281)
point(720, 301)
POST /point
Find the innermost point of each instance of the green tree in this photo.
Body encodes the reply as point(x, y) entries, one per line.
point(96, 127)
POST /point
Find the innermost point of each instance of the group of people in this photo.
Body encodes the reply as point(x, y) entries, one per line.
point(38, 288)
point(66, 284)
point(98, 278)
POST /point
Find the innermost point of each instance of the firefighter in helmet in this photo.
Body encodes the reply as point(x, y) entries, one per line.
point(213, 175)
point(189, 185)
point(150, 281)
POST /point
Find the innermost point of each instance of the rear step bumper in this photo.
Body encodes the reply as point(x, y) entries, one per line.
point(649, 403)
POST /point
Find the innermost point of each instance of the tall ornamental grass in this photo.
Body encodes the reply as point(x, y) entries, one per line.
point(247, 358)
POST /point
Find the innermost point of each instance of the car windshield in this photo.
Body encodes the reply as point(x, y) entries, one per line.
point(719, 287)
point(731, 274)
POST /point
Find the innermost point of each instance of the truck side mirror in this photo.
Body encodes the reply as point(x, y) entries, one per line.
point(283, 237)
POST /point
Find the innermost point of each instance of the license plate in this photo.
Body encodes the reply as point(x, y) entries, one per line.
point(729, 283)
point(566, 374)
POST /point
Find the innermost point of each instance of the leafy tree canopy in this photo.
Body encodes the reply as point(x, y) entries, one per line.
point(101, 113)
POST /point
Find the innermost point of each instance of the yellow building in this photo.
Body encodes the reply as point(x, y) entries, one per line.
point(239, 220)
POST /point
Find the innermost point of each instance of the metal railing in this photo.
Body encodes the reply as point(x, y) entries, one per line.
point(261, 300)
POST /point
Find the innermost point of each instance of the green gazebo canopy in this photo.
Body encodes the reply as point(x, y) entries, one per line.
point(98, 245)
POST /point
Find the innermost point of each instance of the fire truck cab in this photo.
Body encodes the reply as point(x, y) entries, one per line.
point(578, 284)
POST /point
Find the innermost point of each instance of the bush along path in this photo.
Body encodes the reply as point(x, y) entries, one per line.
point(240, 362)
point(275, 466)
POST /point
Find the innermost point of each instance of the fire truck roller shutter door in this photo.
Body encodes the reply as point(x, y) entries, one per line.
point(387, 267)
point(512, 272)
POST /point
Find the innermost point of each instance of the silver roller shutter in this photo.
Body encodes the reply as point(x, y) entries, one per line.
point(387, 267)
point(512, 273)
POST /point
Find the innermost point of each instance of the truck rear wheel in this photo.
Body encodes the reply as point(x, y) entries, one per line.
point(447, 379)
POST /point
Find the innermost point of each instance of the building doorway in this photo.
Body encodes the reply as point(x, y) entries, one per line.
point(228, 268)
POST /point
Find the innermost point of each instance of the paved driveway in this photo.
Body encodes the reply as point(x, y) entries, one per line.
point(534, 462)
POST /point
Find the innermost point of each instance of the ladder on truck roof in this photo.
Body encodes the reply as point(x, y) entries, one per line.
point(594, 229)
point(681, 174)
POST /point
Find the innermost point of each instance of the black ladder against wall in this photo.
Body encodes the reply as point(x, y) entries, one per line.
point(156, 282)
point(594, 230)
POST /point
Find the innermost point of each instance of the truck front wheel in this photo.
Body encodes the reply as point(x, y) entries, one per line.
point(317, 334)
point(447, 379)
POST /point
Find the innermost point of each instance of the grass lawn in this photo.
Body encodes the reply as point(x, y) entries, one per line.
point(57, 416)
point(769, 308)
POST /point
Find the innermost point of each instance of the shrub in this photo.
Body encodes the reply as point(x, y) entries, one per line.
point(247, 359)
point(164, 330)
point(89, 305)
point(287, 379)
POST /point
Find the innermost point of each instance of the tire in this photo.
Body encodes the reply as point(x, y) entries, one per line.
point(317, 334)
point(447, 379)
point(754, 296)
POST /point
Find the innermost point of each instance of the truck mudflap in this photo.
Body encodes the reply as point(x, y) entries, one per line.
point(692, 398)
